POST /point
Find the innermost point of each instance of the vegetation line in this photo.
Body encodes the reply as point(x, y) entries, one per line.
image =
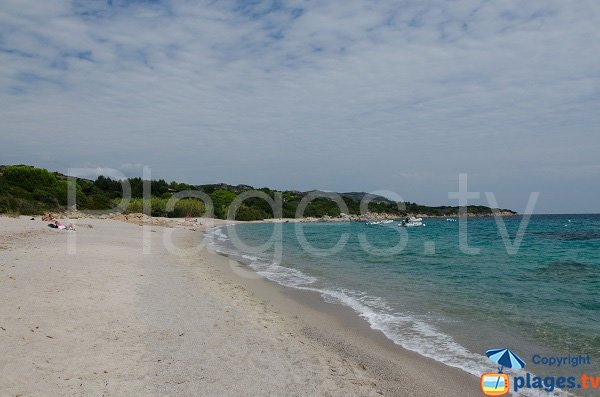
point(28, 190)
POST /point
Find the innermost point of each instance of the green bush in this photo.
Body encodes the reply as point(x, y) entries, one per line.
point(183, 208)
point(322, 206)
point(222, 198)
point(97, 202)
point(17, 206)
point(188, 207)
point(245, 213)
point(29, 178)
point(30, 190)
point(136, 206)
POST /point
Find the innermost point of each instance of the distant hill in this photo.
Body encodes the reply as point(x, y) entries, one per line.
point(28, 190)
point(358, 196)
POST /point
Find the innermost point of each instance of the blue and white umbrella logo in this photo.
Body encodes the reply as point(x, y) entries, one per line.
point(505, 358)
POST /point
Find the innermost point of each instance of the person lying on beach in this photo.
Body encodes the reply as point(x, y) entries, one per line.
point(60, 226)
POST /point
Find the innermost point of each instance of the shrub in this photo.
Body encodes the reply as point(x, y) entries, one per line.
point(29, 178)
point(188, 207)
point(222, 198)
point(245, 213)
point(136, 205)
point(183, 208)
point(16, 206)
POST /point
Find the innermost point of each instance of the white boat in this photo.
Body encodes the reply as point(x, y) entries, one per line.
point(412, 222)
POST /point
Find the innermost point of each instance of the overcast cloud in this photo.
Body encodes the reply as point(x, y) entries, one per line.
point(336, 95)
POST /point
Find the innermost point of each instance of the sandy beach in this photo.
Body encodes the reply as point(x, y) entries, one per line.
point(109, 320)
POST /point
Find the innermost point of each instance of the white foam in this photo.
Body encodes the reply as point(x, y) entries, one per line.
point(283, 275)
point(216, 237)
point(419, 336)
point(220, 235)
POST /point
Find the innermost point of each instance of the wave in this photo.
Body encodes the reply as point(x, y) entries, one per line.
point(408, 331)
point(218, 233)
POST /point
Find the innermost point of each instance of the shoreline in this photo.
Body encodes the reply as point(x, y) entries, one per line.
point(140, 218)
point(110, 320)
point(340, 328)
point(346, 330)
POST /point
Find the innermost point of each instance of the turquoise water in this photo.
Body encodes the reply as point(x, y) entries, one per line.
point(436, 299)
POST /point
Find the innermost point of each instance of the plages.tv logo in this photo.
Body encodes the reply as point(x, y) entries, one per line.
point(498, 384)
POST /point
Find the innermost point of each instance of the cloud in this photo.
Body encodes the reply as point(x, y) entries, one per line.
point(304, 94)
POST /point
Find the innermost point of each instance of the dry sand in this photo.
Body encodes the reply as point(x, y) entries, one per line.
point(109, 320)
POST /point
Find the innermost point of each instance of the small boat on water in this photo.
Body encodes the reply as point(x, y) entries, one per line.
point(412, 222)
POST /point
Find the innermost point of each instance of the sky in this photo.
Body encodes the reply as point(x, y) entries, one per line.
point(353, 95)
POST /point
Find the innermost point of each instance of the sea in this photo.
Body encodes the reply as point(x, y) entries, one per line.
point(449, 290)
